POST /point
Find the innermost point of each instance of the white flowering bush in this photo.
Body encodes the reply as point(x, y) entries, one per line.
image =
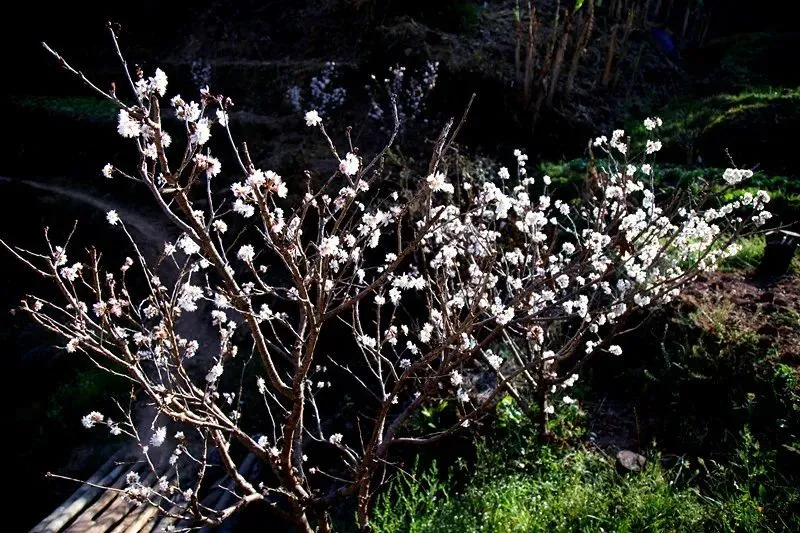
point(324, 94)
point(424, 289)
point(399, 92)
point(409, 93)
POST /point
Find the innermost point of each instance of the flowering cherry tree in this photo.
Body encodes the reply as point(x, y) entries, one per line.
point(427, 286)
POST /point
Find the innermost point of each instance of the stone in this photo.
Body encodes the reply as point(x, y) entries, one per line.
point(628, 461)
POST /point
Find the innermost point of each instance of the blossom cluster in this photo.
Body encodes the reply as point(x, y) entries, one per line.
point(620, 243)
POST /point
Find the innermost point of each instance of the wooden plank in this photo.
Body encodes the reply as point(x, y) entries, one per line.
point(227, 496)
point(139, 522)
point(76, 510)
point(112, 507)
point(150, 525)
point(138, 517)
point(214, 494)
point(85, 520)
point(120, 508)
point(248, 464)
point(163, 522)
point(81, 497)
point(92, 509)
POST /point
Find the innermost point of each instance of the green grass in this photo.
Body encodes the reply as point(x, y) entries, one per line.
point(749, 255)
point(581, 490)
point(715, 110)
point(572, 173)
point(86, 107)
point(705, 113)
point(565, 173)
point(753, 126)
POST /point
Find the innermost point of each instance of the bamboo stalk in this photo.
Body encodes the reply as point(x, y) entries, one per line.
point(635, 70)
point(547, 65)
point(704, 32)
point(554, 33)
point(558, 60)
point(580, 49)
point(530, 59)
point(517, 49)
point(609, 57)
point(686, 21)
point(646, 12)
point(623, 44)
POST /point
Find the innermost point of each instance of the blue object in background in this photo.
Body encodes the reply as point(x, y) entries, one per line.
point(664, 42)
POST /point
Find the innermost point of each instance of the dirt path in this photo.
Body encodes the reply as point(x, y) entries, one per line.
point(149, 229)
